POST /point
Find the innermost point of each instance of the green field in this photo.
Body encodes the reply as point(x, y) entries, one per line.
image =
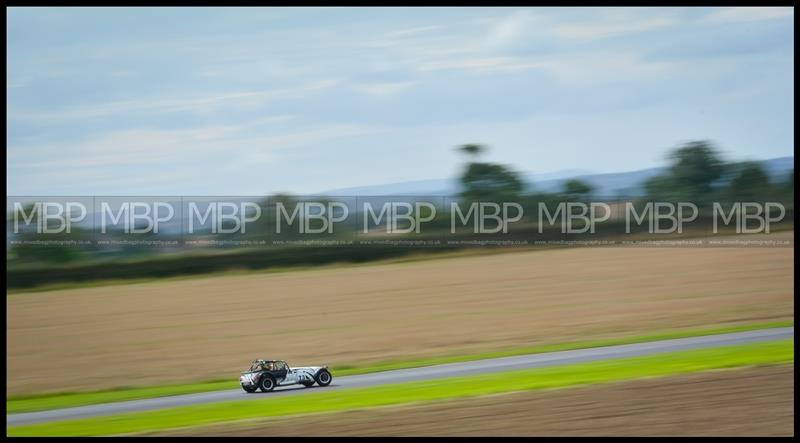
point(65, 400)
point(755, 354)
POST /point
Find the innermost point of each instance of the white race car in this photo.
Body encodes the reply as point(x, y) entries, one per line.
point(267, 374)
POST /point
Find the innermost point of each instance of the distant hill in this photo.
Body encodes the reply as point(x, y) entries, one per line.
point(606, 184)
point(437, 187)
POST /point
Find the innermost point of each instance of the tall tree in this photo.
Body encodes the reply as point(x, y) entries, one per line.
point(577, 189)
point(695, 167)
point(750, 184)
point(472, 149)
point(488, 181)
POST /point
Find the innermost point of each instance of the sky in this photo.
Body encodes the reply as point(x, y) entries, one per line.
point(252, 101)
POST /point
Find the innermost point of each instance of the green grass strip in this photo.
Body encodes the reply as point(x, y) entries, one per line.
point(73, 399)
point(659, 365)
point(48, 401)
point(556, 347)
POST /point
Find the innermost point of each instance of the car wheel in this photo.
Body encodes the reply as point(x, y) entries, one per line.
point(267, 383)
point(308, 385)
point(250, 389)
point(324, 378)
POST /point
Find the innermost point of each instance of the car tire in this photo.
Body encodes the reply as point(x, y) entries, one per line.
point(267, 383)
point(250, 389)
point(308, 384)
point(323, 378)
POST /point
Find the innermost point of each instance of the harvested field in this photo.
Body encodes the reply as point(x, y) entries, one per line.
point(193, 329)
point(740, 402)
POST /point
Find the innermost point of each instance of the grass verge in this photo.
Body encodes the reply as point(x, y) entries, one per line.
point(69, 399)
point(754, 354)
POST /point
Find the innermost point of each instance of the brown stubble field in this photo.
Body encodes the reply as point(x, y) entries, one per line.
point(739, 402)
point(184, 330)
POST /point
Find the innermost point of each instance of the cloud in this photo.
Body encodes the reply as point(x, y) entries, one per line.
point(412, 31)
point(748, 14)
point(526, 28)
point(609, 29)
point(201, 104)
point(143, 156)
point(132, 99)
point(119, 148)
point(384, 89)
point(509, 30)
point(483, 65)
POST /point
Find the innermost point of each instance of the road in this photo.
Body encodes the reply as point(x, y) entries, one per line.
point(415, 374)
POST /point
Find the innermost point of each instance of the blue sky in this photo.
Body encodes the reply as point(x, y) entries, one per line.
point(242, 101)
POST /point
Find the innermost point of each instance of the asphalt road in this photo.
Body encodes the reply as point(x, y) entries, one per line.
point(415, 374)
